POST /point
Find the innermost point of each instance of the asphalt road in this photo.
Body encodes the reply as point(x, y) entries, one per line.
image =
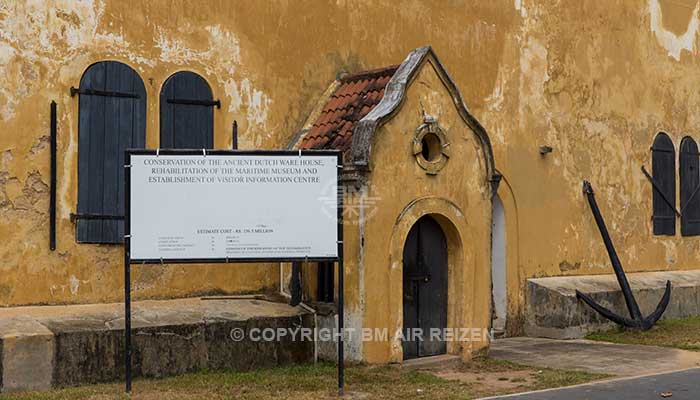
point(683, 385)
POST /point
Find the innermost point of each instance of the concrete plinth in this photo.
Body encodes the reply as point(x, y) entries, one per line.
point(553, 311)
point(27, 355)
point(55, 346)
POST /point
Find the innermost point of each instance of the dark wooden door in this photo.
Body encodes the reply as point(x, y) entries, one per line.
point(424, 289)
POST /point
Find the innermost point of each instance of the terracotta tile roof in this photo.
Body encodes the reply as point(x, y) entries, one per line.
point(356, 95)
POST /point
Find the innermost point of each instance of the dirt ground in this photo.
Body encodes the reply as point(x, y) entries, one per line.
point(479, 378)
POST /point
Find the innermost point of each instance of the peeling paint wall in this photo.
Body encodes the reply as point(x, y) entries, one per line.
point(44, 48)
point(594, 80)
point(675, 25)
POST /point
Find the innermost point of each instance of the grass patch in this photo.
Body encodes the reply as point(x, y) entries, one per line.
point(680, 333)
point(289, 383)
point(314, 382)
point(553, 378)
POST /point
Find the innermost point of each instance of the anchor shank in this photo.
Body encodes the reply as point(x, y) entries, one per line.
point(632, 305)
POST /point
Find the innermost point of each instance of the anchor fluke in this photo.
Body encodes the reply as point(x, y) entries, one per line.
point(656, 315)
point(636, 319)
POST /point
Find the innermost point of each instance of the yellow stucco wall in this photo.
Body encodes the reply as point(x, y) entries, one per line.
point(595, 80)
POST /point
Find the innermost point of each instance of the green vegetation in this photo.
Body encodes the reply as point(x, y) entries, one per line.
point(683, 333)
point(318, 381)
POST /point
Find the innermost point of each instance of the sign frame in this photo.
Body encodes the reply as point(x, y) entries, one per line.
point(128, 261)
point(200, 153)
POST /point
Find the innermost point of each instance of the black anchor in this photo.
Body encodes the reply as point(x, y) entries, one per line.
point(636, 321)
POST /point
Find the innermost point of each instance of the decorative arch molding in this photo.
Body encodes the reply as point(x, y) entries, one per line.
point(394, 96)
point(462, 268)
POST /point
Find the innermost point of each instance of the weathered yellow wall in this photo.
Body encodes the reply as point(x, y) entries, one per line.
point(595, 80)
point(268, 62)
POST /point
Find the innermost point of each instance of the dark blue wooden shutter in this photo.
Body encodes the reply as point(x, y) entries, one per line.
point(112, 118)
point(186, 112)
point(663, 159)
point(690, 183)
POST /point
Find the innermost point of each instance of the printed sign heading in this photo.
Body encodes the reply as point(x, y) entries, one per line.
point(234, 206)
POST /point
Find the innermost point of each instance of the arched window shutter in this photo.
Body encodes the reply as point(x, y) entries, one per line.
point(663, 172)
point(690, 185)
point(186, 112)
point(112, 118)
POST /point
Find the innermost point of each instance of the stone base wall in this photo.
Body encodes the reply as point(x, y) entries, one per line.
point(77, 348)
point(553, 311)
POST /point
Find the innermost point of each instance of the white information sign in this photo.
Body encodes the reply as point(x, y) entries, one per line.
point(233, 206)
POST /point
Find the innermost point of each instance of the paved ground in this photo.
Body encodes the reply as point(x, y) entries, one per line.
point(682, 385)
point(599, 357)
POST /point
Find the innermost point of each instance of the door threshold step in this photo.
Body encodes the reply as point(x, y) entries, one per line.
point(498, 333)
point(432, 362)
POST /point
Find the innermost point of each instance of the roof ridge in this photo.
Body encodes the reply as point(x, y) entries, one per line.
point(371, 73)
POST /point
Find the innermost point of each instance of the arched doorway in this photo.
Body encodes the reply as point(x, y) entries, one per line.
point(498, 267)
point(424, 289)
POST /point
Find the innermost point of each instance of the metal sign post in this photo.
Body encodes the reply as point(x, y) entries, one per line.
point(217, 258)
point(127, 271)
point(341, 273)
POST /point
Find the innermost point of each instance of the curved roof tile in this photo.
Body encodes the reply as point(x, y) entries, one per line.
point(354, 98)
